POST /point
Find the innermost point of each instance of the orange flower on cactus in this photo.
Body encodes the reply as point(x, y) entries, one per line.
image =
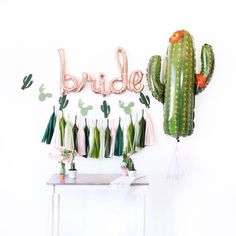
point(176, 36)
point(200, 81)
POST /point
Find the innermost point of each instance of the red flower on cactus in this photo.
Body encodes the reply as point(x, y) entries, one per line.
point(200, 81)
point(176, 36)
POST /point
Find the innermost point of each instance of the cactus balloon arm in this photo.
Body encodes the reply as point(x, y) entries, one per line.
point(153, 78)
point(207, 68)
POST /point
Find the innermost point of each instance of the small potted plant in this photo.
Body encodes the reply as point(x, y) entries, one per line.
point(73, 171)
point(62, 171)
point(128, 165)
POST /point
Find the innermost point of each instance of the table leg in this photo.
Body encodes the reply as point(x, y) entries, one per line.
point(144, 215)
point(58, 214)
point(53, 211)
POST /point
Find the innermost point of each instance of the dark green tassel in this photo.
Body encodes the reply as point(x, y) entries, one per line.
point(75, 131)
point(107, 141)
point(87, 133)
point(47, 137)
point(119, 141)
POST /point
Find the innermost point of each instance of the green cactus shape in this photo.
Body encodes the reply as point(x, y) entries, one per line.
point(127, 108)
point(181, 83)
point(42, 94)
point(27, 82)
point(84, 110)
point(105, 108)
point(63, 102)
point(144, 99)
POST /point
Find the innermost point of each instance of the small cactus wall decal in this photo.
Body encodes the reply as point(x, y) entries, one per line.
point(63, 102)
point(144, 99)
point(181, 82)
point(127, 108)
point(27, 82)
point(105, 108)
point(42, 94)
point(84, 109)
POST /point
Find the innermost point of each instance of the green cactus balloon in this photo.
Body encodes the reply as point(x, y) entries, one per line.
point(27, 82)
point(144, 99)
point(105, 108)
point(181, 83)
point(63, 102)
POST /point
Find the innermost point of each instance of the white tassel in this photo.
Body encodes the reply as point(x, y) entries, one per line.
point(176, 169)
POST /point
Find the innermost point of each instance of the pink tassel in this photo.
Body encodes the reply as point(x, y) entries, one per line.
point(81, 140)
point(149, 134)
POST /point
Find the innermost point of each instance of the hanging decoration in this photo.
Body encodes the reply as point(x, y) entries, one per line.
point(81, 140)
point(42, 94)
point(100, 141)
point(126, 108)
point(27, 82)
point(47, 137)
point(84, 110)
point(106, 109)
point(144, 99)
point(149, 134)
point(75, 134)
point(181, 82)
point(141, 133)
point(68, 142)
point(130, 137)
point(87, 134)
point(107, 145)
point(133, 82)
point(63, 102)
point(96, 142)
point(119, 141)
point(62, 125)
point(113, 137)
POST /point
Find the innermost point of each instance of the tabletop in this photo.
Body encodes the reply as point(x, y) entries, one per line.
point(94, 179)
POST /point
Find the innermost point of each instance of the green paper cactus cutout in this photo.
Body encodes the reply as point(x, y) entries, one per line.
point(181, 82)
point(105, 108)
point(63, 102)
point(144, 99)
point(84, 109)
point(127, 108)
point(42, 94)
point(27, 82)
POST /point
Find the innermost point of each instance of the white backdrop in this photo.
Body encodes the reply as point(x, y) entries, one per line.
point(203, 203)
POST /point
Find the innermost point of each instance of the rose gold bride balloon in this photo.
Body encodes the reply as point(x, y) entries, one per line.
point(102, 83)
point(69, 83)
point(65, 78)
point(135, 80)
point(123, 67)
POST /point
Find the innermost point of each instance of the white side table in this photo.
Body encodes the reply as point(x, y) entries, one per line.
point(91, 180)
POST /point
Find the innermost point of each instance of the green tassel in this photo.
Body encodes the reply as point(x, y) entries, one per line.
point(96, 143)
point(130, 137)
point(62, 125)
point(119, 141)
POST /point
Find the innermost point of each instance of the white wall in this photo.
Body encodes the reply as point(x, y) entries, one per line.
point(203, 203)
